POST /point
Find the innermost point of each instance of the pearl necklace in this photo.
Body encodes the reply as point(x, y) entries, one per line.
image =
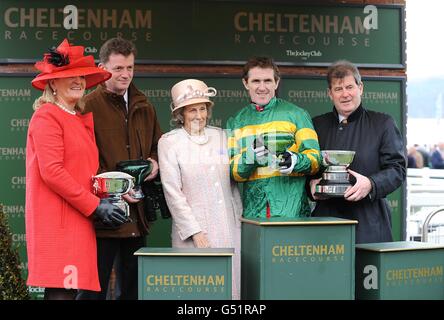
point(61, 106)
point(199, 139)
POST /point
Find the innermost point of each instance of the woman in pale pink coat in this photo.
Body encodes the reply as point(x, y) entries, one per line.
point(61, 158)
point(195, 172)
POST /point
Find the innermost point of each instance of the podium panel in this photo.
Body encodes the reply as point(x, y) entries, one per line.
point(300, 258)
point(400, 270)
point(186, 274)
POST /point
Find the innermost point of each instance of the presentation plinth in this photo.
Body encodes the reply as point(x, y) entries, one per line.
point(299, 258)
point(401, 270)
point(185, 274)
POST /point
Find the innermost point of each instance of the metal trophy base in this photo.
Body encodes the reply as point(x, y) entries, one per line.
point(334, 183)
point(331, 191)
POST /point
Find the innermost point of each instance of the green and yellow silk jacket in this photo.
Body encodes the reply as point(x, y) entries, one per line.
point(263, 184)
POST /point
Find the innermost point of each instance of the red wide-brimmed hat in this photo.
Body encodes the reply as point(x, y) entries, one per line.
point(68, 61)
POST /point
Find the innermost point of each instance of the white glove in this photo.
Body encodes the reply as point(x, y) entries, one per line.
point(289, 160)
point(260, 151)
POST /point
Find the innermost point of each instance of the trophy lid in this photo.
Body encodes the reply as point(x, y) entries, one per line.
point(115, 175)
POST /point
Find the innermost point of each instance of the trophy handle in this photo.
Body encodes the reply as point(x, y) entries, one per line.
point(129, 184)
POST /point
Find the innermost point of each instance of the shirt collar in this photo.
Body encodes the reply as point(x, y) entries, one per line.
point(352, 117)
point(260, 108)
point(125, 97)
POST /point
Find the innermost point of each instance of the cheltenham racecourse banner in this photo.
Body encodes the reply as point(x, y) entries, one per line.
point(17, 95)
point(209, 32)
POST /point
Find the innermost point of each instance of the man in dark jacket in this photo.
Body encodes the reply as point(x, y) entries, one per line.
point(436, 158)
point(126, 127)
point(379, 165)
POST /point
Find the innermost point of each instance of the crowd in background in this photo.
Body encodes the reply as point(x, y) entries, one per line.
point(422, 156)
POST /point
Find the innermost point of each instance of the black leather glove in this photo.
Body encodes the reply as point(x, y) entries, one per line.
point(109, 215)
point(289, 160)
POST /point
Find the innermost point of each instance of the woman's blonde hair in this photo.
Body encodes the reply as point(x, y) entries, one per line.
point(48, 96)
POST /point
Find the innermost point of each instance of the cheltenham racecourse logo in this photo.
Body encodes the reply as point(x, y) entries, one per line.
point(12, 153)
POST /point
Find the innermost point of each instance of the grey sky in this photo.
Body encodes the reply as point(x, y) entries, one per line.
point(425, 44)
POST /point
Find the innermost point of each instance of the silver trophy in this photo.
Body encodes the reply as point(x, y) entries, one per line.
point(277, 143)
point(335, 179)
point(113, 185)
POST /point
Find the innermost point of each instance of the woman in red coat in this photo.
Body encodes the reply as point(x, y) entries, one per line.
point(61, 158)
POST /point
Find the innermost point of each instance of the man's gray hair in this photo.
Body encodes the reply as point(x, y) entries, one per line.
point(340, 69)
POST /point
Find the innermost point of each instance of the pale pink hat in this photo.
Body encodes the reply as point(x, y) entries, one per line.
point(191, 91)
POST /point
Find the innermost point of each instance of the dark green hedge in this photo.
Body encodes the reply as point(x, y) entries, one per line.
point(12, 285)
